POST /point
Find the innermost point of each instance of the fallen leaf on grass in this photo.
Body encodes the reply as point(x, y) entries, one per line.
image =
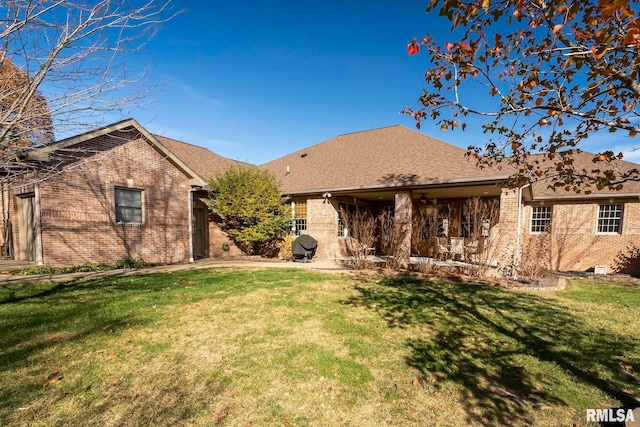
point(415, 383)
point(221, 416)
point(112, 357)
point(55, 378)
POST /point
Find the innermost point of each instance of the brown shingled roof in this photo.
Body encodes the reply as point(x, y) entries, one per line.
point(378, 158)
point(584, 160)
point(204, 162)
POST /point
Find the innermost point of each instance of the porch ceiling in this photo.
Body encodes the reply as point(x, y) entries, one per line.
point(448, 192)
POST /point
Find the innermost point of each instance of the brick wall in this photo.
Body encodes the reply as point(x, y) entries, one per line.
point(219, 241)
point(574, 243)
point(503, 240)
point(403, 223)
point(322, 225)
point(77, 207)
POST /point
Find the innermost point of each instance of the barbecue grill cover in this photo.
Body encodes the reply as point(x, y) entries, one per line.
point(304, 246)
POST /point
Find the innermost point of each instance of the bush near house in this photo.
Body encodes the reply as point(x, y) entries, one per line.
point(85, 268)
point(248, 204)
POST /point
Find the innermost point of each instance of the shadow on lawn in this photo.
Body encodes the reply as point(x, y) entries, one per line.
point(39, 315)
point(35, 316)
point(487, 339)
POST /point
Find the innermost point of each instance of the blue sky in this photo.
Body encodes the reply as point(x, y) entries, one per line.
point(258, 79)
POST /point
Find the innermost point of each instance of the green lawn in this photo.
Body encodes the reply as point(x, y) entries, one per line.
point(241, 347)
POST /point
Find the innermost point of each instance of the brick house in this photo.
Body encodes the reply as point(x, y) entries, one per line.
point(427, 186)
point(121, 192)
point(113, 193)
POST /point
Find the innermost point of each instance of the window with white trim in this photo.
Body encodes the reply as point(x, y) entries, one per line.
point(299, 217)
point(540, 219)
point(468, 224)
point(610, 218)
point(342, 229)
point(443, 221)
point(128, 205)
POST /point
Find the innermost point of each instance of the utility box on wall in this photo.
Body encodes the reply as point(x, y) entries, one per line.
point(600, 270)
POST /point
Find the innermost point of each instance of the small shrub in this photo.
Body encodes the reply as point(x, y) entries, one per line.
point(361, 226)
point(36, 269)
point(285, 246)
point(392, 242)
point(535, 262)
point(532, 270)
point(86, 268)
point(269, 248)
point(131, 263)
point(426, 266)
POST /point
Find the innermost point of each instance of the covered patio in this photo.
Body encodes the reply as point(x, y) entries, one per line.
point(446, 223)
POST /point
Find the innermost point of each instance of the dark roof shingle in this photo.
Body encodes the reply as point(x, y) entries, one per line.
point(377, 158)
point(204, 162)
point(584, 161)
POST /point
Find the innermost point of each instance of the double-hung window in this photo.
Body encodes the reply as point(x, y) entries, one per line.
point(128, 206)
point(540, 219)
point(610, 218)
point(299, 218)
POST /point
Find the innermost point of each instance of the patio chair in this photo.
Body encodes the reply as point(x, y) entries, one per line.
point(354, 247)
point(457, 247)
point(471, 249)
point(442, 250)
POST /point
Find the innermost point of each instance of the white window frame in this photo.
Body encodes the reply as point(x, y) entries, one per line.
point(539, 220)
point(299, 225)
point(120, 206)
point(610, 216)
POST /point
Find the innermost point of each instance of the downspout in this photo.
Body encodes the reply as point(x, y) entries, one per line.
point(190, 217)
point(518, 253)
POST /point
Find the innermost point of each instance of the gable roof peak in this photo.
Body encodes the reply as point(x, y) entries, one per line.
point(373, 129)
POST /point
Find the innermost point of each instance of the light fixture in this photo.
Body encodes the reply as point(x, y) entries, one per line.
point(423, 199)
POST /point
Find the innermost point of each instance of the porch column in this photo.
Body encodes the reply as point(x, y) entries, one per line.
point(403, 214)
point(506, 234)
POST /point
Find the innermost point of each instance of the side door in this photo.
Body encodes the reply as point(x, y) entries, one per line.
point(27, 227)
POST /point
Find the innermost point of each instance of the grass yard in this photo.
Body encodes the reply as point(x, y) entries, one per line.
point(242, 347)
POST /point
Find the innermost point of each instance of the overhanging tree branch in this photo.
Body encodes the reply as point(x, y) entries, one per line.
point(558, 71)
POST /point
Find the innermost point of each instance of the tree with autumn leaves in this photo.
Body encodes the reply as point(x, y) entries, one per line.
point(554, 72)
point(25, 118)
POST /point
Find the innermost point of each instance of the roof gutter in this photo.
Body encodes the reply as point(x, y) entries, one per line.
point(432, 183)
point(583, 196)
